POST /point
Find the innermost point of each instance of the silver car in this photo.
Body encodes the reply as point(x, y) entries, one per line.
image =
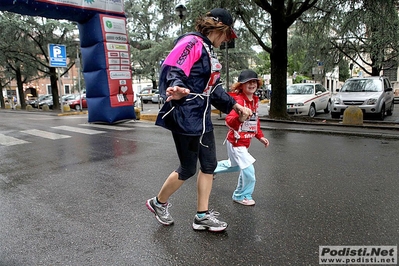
point(156, 98)
point(373, 95)
point(146, 94)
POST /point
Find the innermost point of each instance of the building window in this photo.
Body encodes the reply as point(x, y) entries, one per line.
point(67, 89)
point(48, 86)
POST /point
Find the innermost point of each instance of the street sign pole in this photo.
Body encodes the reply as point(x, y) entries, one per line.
point(60, 86)
point(58, 59)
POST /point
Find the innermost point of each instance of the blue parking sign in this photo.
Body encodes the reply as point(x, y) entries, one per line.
point(58, 55)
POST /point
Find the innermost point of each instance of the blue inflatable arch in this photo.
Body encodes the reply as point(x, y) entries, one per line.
point(104, 47)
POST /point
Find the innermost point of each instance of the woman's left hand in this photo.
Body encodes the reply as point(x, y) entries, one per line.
point(176, 93)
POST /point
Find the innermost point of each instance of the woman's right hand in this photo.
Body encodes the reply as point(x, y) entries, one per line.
point(242, 111)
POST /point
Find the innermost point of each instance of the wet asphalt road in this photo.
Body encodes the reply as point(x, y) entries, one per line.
point(80, 200)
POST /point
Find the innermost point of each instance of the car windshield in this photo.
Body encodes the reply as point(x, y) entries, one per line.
point(362, 85)
point(300, 89)
point(43, 97)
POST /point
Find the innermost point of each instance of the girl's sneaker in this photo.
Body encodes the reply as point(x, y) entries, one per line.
point(245, 201)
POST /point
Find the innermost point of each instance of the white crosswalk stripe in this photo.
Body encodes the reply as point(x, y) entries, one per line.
point(121, 128)
point(79, 130)
point(144, 124)
point(10, 141)
point(45, 134)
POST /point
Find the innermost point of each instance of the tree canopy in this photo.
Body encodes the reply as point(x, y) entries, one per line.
point(294, 35)
point(24, 48)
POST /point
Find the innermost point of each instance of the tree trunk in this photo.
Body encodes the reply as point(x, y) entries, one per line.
point(154, 84)
point(2, 103)
point(375, 71)
point(20, 88)
point(54, 88)
point(278, 58)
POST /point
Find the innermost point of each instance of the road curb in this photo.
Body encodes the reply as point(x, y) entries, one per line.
point(148, 117)
point(370, 131)
point(73, 113)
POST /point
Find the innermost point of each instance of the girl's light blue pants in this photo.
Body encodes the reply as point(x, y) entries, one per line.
point(246, 179)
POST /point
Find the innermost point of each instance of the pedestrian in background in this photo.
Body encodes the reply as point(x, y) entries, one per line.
point(190, 83)
point(241, 131)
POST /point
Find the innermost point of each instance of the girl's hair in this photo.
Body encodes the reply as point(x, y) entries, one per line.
point(207, 24)
point(237, 88)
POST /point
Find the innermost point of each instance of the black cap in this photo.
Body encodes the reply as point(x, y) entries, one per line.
point(222, 15)
point(247, 75)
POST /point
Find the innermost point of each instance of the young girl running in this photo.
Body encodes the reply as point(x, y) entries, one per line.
point(240, 135)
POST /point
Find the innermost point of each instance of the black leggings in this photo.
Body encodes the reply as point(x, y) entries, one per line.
point(190, 151)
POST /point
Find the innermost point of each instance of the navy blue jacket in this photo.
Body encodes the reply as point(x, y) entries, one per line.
point(188, 65)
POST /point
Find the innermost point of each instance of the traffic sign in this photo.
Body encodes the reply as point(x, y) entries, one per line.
point(58, 55)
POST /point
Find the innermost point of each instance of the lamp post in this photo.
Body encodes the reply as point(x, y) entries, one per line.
point(351, 68)
point(181, 11)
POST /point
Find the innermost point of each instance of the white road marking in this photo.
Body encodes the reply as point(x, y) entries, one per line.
point(143, 124)
point(106, 126)
point(79, 130)
point(45, 134)
point(9, 141)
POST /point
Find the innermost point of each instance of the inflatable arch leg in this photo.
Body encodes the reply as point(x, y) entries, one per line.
point(105, 51)
point(106, 69)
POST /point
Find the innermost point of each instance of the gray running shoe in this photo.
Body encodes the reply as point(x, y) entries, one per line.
point(161, 212)
point(209, 222)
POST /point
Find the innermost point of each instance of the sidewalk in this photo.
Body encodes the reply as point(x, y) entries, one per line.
point(367, 130)
point(373, 129)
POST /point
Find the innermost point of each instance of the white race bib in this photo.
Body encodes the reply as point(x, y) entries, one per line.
point(251, 124)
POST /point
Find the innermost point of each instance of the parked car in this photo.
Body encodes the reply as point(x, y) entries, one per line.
point(75, 102)
point(264, 92)
point(146, 94)
point(31, 101)
point(50, 102)
point(373, 95)
point(46, 101)
point(40, 99)
point(68, 97)
point(157, 98)
point(308, 99)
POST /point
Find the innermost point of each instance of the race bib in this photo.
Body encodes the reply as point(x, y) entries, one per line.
point(250, 125)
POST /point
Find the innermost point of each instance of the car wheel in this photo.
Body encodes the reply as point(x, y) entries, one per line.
point(328, 108)
point(312, 110)
point(335, 115)
point(381, 114)
point(390, 111)
point(77, 107)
